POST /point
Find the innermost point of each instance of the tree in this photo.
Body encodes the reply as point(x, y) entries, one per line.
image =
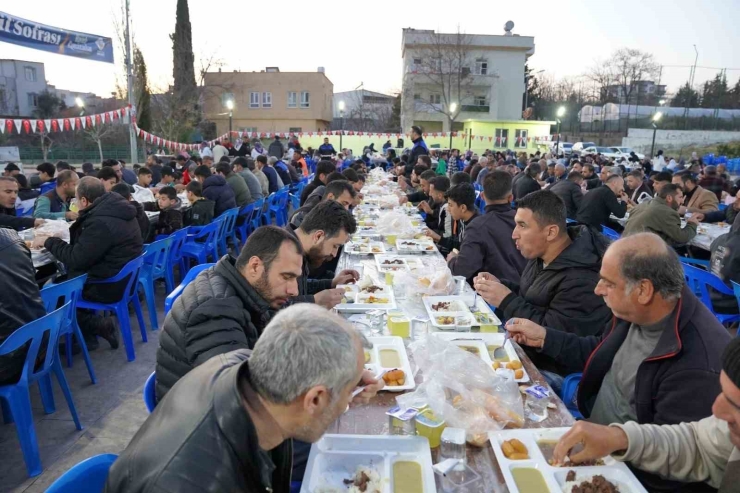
point(394, 122)
point(686, 97)
point(532, 86)
point(184, 90)
point(142, 94)
point(715, 93)
point(48, 105)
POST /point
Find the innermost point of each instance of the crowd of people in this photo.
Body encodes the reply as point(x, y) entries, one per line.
point(253, 367)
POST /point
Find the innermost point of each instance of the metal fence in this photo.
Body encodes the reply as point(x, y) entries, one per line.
point(76, 155)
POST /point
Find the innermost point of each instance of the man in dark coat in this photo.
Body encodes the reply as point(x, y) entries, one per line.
point(323, 170)
point(420, 147)
point(659, 358)
point(228, 306)
point(526, 182)
point(105, 237)
point(570, 193)
point(215, 188)
point(600, 203)
point(276, 149)
point(8, 218)
point(487, 245)
point(557, 286)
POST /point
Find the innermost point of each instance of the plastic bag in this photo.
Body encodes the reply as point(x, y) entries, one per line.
point(395, 223)
point(434, 280)
point(55, 228)
point(463, 390)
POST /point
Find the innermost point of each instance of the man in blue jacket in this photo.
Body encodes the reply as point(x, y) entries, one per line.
point(420, 147)
point(326, 149)
point(270, 173)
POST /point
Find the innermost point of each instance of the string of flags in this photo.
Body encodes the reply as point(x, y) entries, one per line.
point(48, 125)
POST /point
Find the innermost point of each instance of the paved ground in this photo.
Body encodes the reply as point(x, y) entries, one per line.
point(110, 412)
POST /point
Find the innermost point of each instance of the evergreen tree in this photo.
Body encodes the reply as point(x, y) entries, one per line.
point(686, 97)
point(142, 93)
point(183, 70)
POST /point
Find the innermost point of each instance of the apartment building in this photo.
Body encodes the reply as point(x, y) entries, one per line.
point(20, 84)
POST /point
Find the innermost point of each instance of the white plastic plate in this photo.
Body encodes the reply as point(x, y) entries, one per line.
point(483, 340)
point(375, 364)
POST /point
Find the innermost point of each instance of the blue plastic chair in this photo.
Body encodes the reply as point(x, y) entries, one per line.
point(54, 295)
point(610, 233)
point(243, 229)
point(192, 274)
point(88, 476)
point(156, 263)
point(260, 208)
point(48, 186)
point(700, 281)
point(568, 393)
point(150, 396)
point(201, 243)
point(131, 272)
point(695, 261)
point(16, 399)
point(226, 231)
point(179, 238)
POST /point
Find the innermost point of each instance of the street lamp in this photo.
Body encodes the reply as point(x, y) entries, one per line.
point(80, 104)
point(560, 113)
point(656, 119)
point(661, 102)
point(453, 108)
point(230, 107)
point(341, 106)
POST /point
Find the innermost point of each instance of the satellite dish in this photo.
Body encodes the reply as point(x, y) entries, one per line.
point(508, 26)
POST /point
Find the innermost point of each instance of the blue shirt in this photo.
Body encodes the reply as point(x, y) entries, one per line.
point(271, 175)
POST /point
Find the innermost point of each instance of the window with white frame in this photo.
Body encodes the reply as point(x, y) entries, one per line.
point(33, 100)
point(295, 130)
point(520, 138)
point(480, 101)
point(249, 129)
point(417, 97)
point(30, 74)
point(305, 99)
point(435, 98)
point(254, 100)
point(292, 99)
point(502, 135)
point(437, 65)
point(267, 100)
point(481, 66)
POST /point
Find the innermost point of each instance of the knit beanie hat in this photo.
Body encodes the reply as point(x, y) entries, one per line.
point(731, 361)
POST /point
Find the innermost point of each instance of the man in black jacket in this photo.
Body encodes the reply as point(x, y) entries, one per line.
point(340, 191)
point(526, 182)
point(20, 302)
point(8, 218)
point(144, 224)
point(487, 245)
point(323, 170)
point(570, 193)
point(600, 203)
point(215, 188)
point(228, 306)
point(659, 358)
point(276, 149)
point(105, 237)
point(420, 147)
point(557, 286)
point(227, 425)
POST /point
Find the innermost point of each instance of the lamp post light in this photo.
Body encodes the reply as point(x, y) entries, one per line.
point(341, 107)
point(661, 102)
point(80, 104)
point(656, 119)
point(560, 113)
point(230, 106)
point(453, 108)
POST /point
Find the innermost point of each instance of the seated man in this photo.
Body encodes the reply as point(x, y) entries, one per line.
point(227, 425)
point(660, 216)
point(695, 198)
point(487, 246)
point(108, 178)
point(321, 234)
point(707, 450)
point(142, 192)
point(323, 170)
point(242, 195)
point(658, 180)
point(526, 182)
point(241, 167)
point(54, 204)
point(267, 176)
point(459, 213)
point(658, 361)
point(46, 173)
point(599, 203)
point(639, 191)
point(20, 302)
point(340, 191)
point(570, 193)
point(170, 215)
point(556, 288)
point(105, 237)
point(141, 217)
point(438, 186)
point(228, 306)
point(422, 193)
point(200, 212)
point(215, 188)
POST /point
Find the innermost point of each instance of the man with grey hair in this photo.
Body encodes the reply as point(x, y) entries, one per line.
point(560, 174)
point(228, 425)
point(658, 361)
point(487, 165)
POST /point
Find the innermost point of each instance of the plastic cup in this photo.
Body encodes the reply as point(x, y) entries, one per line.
point(389, 278)
point(391, 239)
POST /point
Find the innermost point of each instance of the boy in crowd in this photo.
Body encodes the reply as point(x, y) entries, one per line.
point(142, 193)
point(201, 209)
point(438, 186)
point(170, 215)
point(460, 211)
point(168, 177)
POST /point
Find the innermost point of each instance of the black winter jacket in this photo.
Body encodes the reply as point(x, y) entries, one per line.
point(218, 312)
point(202, 437)
point(561, 296)
point(200, 213)
point(215, 188)
point(142, 219)
point(307, 287)
point(597, 205)
point(571, 195)
point(8, 219)
point(276, 149)
point(105, 237)
point(488, 247)
point(677, 383)
point(524, 186)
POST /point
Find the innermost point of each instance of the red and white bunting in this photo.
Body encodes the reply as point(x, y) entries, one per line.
point(2, 126)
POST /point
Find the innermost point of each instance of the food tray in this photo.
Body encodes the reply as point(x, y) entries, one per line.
point(375, 363)
point(360, 299)
point(365, 248)
point(616, 472)
point(403, 245)
point(382, 267)
point(335, 458)
point(482, 341)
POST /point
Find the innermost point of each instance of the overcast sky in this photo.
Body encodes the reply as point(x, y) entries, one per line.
point(362, 43)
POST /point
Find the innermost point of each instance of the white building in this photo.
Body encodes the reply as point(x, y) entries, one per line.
point(20, 84)
point(492, 80)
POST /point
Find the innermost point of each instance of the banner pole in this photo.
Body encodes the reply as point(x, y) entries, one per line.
point(130, 90)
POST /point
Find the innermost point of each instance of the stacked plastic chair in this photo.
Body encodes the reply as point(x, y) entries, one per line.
point(88, 476)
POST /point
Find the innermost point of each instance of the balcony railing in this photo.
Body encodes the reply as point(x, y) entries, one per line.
point(475, 108)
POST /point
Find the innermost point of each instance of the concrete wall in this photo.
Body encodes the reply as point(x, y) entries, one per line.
point(641, 139)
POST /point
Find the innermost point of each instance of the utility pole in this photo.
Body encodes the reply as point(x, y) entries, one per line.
point(130, 90)
point(692, 74)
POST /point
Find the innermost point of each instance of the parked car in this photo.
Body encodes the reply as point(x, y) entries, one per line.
point(578, 147)
point(565, 148)
point(607, 152)
point(624, 152)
